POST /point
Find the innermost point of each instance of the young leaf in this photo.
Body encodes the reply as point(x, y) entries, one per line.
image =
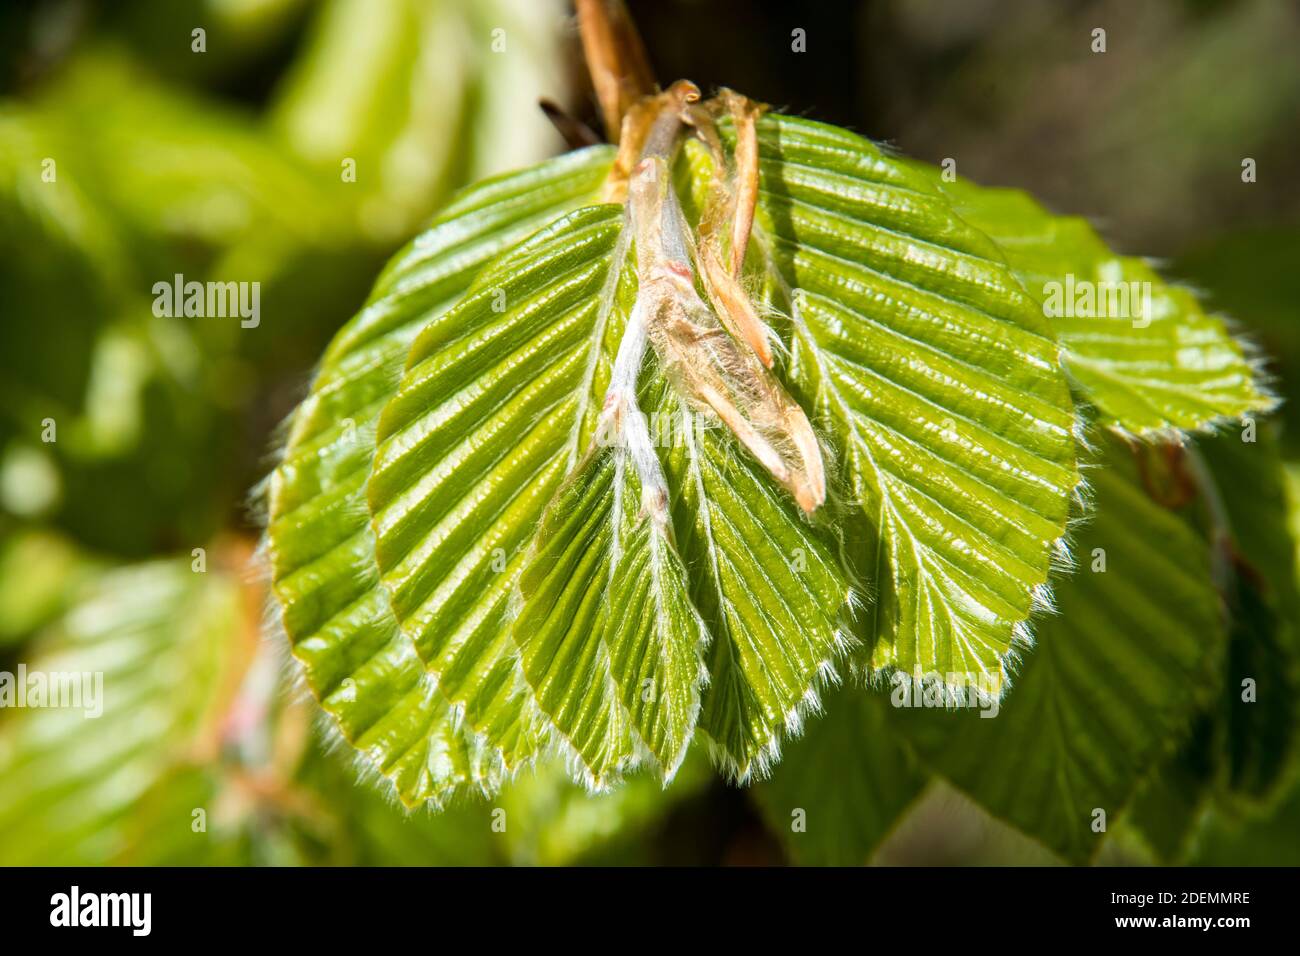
point(485, 425)
point(321, 546)
point(1141, 350)
point(607, 634)
point(769, 586)
point(1117, 674)
point(656, 639)
point(499, 401)
point(936, 378)
point(503, 538)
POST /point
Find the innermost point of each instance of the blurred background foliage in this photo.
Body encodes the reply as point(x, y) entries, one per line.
point(126, 157)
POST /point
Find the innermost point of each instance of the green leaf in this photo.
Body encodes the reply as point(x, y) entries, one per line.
point(1172, 801)
point(547, 581)
point(1259, 699)
point(110, 181)
point(851, 777)
point(936, 377)
point(1115, 679)
point(1141, 350)
point(1261, 728)
point(474, 444)
point(769, 586)
point(41, 573)
point(357, 662)
point(1272, 839)
point(607, 635)
point(499, 401)
point(61, 261)
point(1242, 750)
point(68, 218)
point(656, 640)
point(174, 167)
point(548, 821)
point(553, 822)
point(71, 779)
point(424, 104)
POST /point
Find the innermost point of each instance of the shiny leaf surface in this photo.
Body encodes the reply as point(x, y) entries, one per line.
point(361, 667)
point(1119, 672)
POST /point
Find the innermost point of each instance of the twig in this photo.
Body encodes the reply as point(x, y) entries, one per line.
point(616, 59)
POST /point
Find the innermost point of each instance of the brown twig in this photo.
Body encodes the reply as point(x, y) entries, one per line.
point(575, 132)
point(616, 59)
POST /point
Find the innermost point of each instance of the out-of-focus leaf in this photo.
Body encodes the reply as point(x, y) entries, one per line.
point(36, 202)
point(1272, 839)
point(843, 785)
point(110, 184)
point(557, 823)
point(160, 829)
point(436, 93)
point(196, 188)
point(1242, 752)
point(539, 819)
point(177, 168)
point(159, 646)
point(239, 36)
point(1171, 802)
point(1260, 712)
point(1249, 275)
point(127, 457)
point(40, 575)
point(61, 268)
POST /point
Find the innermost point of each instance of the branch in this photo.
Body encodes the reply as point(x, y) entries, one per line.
point(616, 59)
